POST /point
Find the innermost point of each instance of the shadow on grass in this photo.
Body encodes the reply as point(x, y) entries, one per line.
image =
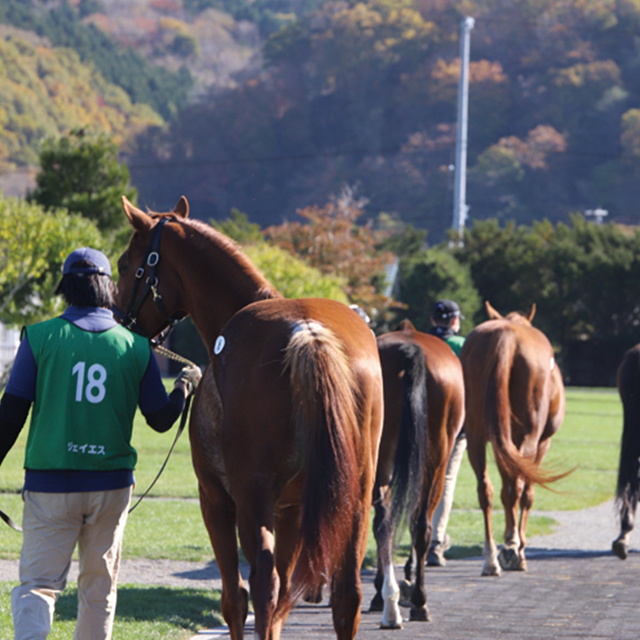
point(184, 608)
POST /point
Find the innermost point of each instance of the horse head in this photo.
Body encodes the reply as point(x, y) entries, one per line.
point(514, 316)
point(148, 295)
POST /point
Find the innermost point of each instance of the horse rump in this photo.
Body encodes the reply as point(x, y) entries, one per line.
point(499, 413)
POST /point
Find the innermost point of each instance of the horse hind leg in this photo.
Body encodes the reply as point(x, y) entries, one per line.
point(421, 537)
point(387, 591)
point(511, 556)
point(258, 545)
point(381, 533)
point(620, 545)
point(478, 460)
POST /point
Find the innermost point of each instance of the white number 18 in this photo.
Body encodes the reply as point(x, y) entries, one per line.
point(95, 390)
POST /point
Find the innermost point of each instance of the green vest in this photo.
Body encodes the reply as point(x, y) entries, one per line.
point(87, 390)
point(455, 342)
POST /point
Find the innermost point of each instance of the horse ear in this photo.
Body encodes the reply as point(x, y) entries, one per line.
point(182, 208)
point(138, 219)
point(493, 314)
point(532, 312)
point(405, 325)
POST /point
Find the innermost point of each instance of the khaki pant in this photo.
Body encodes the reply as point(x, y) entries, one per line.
point(443, 510)
point(53, 523)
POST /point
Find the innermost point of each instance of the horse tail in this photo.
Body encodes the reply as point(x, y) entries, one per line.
point(411, 450)
point(628, 487)
point(326, 402)
point(499, 414)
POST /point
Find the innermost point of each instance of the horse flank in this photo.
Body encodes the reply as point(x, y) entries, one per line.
point(323, 387)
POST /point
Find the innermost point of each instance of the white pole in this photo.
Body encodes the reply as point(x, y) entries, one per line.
point(459, 195)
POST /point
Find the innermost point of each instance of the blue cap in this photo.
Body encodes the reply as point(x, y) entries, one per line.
point(99, 261)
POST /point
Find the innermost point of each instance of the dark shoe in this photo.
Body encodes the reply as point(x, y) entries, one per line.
point(435, 555)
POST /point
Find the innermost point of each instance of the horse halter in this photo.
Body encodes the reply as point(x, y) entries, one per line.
point(150, 286)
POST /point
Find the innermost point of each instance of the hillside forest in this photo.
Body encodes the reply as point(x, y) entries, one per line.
point(273, 108)
point(322, 95)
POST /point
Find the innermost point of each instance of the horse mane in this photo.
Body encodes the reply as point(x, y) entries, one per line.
point(231, 249)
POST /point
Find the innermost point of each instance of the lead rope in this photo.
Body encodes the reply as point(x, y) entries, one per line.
point(167, 353)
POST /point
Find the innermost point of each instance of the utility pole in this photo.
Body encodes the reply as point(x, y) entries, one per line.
point(460, 207)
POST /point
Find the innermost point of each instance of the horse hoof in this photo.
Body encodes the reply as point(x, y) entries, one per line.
point(419, 614)
point(314, 597)
point(391, 625)
point(511, 560)
point(620, 549)
point(405, 594)
point(377, 604)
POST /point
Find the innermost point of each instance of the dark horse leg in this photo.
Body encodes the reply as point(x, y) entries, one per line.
point(387, 591)
point(620, 545)
point(218, 511)
point(421, 538)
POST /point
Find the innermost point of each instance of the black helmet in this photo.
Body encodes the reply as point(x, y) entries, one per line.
point(446, 310)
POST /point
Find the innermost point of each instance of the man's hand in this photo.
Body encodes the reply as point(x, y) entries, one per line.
point(189, 377)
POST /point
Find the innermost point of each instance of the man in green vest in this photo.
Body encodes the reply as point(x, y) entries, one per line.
point(445, 319)
point(83, 375)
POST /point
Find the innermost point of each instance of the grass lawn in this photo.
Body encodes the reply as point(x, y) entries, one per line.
point(171, 526)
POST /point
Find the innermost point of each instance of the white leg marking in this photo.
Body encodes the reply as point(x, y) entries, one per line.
point(391, 616)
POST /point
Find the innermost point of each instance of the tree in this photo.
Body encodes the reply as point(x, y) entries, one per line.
point(430, 275)
point(334, 243)
point(583, 277)
point(238, 228)
point(81, 172)
point(33, 247)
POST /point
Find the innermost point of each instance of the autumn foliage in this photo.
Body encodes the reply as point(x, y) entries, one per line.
point(331, 240)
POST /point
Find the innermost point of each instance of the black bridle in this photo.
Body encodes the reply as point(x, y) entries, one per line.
point(141, 289)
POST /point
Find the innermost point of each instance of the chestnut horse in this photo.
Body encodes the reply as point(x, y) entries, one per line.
point(628, 487)
point(424, 412)
point(285, 424)
point(515, 400)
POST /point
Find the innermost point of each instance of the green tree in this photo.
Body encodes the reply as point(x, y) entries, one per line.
point(238, 228)
point(428, 276)
point(293, 277)
point(33, 247)
point(583, 277)
point(81, 172)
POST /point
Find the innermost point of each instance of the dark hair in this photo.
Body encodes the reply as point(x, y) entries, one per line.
point(86, 289)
